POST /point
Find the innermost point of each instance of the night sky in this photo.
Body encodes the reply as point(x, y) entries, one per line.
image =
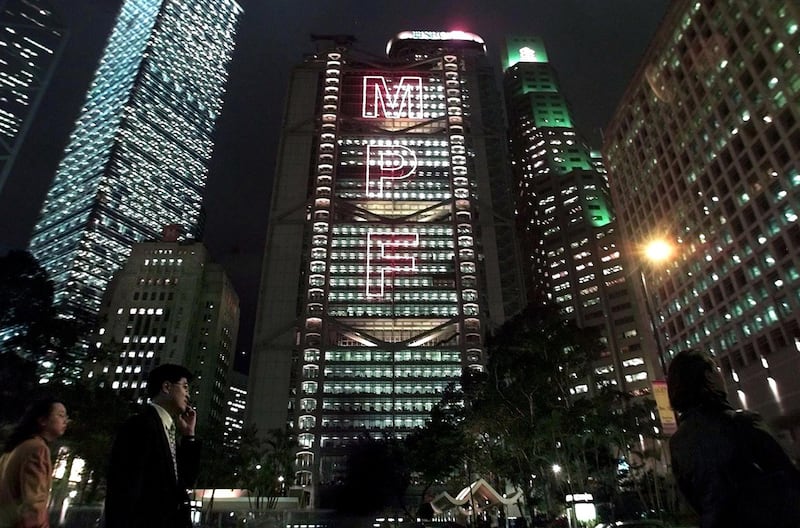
point(594, 44)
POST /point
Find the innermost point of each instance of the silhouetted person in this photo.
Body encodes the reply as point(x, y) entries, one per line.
point(155, 458)
point(727, 465)
point(26, 470)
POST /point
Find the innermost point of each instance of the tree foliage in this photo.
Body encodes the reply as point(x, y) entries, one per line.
point(28, 315)
point(438, 449)
point(376, 477)
point(528, 418)
point(26, 292)
point(261, 464)
point(95, 416)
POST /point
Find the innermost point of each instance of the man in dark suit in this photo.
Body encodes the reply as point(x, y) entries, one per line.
point(155, 457)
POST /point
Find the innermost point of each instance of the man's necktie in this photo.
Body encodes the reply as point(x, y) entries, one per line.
point(171, 435)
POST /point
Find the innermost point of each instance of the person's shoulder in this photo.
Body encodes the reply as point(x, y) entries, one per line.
point(32, 446)
point(744, 415)
point(745, 419)
point(146, 416)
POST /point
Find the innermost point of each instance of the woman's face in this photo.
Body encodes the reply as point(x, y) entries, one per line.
point(56, 423)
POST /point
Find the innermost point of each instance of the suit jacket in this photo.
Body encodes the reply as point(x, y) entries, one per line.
point(25, 478)
point(142, 491)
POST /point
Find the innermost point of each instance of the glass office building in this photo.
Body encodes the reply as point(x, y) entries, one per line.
point(704, 150)
point(390, 248)
point(137, 158)
point(32, 36)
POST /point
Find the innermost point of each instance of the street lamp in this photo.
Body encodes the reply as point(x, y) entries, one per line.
point(655, 252)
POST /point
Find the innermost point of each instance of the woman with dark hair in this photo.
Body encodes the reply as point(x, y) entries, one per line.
point(26, 469)
point(727, 465)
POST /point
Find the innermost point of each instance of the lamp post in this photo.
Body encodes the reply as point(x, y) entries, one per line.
point(656, 251)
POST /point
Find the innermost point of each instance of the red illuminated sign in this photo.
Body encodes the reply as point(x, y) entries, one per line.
point(385, 163)
point(387, 253)
point(379, 101)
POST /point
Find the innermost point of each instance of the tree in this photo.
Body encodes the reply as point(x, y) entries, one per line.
point(438, 449)
point(26, 292)
point(522, 409)
point(262, 463)
point(534, 428)
point(95, 415)
point(30, 321)
point(376, 477)
point(18, 381)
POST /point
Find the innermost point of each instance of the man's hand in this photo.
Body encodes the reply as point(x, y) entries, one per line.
point(186, 422)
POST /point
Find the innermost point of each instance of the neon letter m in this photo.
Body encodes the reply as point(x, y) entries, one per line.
point(379, 102)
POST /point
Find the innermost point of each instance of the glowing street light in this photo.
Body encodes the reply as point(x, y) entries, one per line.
point(657, 251)
point(556, 469)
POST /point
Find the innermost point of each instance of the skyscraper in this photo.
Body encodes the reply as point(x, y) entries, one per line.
point(704, 151)
point(566, 221)
point(137, 157)
point(390, 248)
point(32, 36)
point(170, 303)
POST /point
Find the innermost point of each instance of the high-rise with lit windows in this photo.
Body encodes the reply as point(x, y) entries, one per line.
point(235, 412)
point(169, 303)
point(32, 36)
point(390, 248)
point(704, 152)
point(566, 221)
point(137, 158)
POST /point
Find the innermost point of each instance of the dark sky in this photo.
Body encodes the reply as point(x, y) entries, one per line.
point(594, 44)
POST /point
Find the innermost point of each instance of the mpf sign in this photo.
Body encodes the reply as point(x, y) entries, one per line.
point(385, 99)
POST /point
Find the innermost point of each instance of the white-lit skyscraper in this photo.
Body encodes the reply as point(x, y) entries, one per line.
point(32, 37)
point(137, 159)
point(390, 249)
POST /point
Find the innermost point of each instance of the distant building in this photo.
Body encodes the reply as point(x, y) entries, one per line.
point(236, 407)
point(704, 151)
point(137, 158)
point(390, 249)
point(566, 221)
point(169, 304)
point(32, 37)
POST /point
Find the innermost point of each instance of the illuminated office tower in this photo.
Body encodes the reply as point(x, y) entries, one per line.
point(390, 248)
point(704, 151)
point(235, 410)
point(32, 37)
point(170, 304)
point(566, 222)
point(137, 158)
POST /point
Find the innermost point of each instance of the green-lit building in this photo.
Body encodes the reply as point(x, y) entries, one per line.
point(390, 249)
point(704, 150)
point(566, 222)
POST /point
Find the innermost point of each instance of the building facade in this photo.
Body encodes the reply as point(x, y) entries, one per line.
point(567, 223)
point(236, 410)
point(169, 304)
point(137, 158)
point(390, 248)
point(704, 151)
point(32, 39)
